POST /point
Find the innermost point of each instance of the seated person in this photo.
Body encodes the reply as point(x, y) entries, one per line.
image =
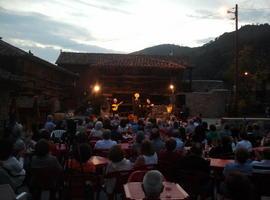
point(106, 142)
point(177, 137)
point(168, 159)
point(10, 164)
point(262, 166)
point(194, 160)
point(136, 147)
point(244, 143)
point(97, 130)
point(58, 133)
point(42, 157)
point(152, 184)
point(157, 142)
point(241, 163)
point(148, 155)
point(222, 148)
point(118, 163)
point(81, 161)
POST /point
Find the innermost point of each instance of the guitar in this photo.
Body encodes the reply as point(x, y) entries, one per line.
point(116, 105)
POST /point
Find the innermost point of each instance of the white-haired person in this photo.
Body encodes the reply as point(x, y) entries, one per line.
point(152, 184)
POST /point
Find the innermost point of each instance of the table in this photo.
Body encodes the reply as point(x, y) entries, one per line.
point(99, 161)
point(133, 190)
point(219, 163)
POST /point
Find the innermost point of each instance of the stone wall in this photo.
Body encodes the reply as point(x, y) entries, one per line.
point(210, 104)
point(206, 85)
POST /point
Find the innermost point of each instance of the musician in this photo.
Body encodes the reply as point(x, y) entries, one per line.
point(115, 106)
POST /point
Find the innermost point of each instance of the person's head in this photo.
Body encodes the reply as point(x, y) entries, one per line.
point(176, 133)
point(243, 135)
point(241, 155)
point(6, 148)
point(140, 137)
point(154, 134)
point(147, 148)
point(116, 154)
point(205, 125)
point(106, 134)
point(42, 147)
point(196, 149)
point(212, 127)
point(170, 145)
point(49, 118)
point(226, 127)
point(238, 186)
point(82, 152)
point(266, 154)
point(98, 125)
point(226, 141)
point(152, 184)
point(44, 134)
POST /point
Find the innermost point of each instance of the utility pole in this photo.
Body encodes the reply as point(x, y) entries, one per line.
point(236, 69)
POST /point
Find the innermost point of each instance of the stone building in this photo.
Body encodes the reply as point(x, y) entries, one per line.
point(30, 86)
point(122, 75)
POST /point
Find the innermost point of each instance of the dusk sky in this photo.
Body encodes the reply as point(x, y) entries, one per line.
point(46, 26)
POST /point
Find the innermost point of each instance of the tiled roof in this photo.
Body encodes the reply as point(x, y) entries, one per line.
point(7, 49)
point(120, 60)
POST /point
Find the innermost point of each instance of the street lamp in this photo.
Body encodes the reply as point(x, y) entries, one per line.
point(96, 88)
point(171, 87)
point(172, 98)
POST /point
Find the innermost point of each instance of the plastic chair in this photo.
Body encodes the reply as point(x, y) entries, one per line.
point(137, 176)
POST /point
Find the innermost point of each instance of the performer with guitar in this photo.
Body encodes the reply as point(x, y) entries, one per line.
point(115, 106)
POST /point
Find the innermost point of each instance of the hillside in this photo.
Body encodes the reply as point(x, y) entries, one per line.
point(213, 60)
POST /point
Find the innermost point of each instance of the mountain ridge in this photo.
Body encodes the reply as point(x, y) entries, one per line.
point(214, 59)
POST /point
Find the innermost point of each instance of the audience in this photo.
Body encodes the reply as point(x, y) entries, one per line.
point(164, 151)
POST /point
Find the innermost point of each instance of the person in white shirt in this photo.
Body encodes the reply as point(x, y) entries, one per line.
point(148, 155)
point(106, 142)
point(244, 143)
point(97, 130)
point(118, 163)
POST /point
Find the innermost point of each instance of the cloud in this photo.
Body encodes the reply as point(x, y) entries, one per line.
point(104, 7)
point(205, 14)
point(254, 15)
point(40, 33)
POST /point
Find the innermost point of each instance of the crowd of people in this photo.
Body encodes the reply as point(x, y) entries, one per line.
point(169, 145)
